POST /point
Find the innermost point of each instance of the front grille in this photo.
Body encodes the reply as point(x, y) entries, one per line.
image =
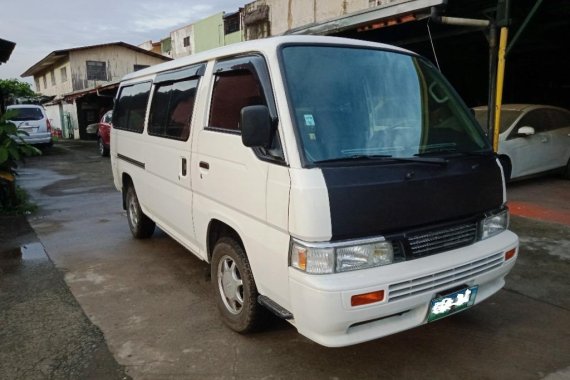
point(444, 279)
point(443, 239)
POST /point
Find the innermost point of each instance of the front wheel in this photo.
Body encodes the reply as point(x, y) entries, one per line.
point(234, 286)
point(142, 227)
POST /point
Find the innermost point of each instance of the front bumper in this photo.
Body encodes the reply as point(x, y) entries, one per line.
point(321, 303)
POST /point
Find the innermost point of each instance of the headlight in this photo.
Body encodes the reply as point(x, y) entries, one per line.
point(323, 259)
point(494, 224)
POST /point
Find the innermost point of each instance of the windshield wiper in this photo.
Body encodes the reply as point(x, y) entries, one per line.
point(453, 152)
point(386, 157)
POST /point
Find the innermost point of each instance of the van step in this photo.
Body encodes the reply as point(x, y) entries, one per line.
point(274, 307)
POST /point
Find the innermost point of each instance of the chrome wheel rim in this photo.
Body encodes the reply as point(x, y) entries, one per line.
point(101, 147)
point(133, 211)
point(230, 284)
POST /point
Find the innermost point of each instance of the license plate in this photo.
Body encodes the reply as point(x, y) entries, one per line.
point(452, 303)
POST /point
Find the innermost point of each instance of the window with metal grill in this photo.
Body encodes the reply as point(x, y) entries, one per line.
point(96, 70)
point(140, 67)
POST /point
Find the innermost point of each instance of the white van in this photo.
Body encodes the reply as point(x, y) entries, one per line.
point(341, 184)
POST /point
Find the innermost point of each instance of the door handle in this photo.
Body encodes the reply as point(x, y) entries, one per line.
point(204, 165)
point(184, 167)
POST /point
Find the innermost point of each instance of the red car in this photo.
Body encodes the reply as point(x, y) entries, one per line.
point(104, 133)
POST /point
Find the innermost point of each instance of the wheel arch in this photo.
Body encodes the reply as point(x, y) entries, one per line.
point(218, 229)
point(126, 182)
point(507, 164)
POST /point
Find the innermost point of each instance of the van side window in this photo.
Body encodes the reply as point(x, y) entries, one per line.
point(232, 91)
point(171, 109)
point(130, 109)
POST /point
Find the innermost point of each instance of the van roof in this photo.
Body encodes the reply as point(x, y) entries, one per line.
point(262, 45)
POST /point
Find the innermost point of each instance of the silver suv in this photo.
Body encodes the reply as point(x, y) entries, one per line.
point(32, 119)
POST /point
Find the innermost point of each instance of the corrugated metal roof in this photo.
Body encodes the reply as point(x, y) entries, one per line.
point(57, 55)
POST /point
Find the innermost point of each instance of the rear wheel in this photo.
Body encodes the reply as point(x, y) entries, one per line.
point(142, 227)
point(103, 150)
point(234, 286)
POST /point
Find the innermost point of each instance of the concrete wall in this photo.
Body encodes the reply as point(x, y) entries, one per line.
point(61, 86)
point(119, 62)
point(54, 115)
point(209, 33)
point(290, 14)
point(71, 110)
point(177, 39)
point(234, 37)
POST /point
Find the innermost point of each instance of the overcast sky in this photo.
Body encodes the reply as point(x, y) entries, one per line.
point(39, 27)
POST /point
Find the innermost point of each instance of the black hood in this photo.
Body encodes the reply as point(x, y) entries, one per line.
point(385, 197)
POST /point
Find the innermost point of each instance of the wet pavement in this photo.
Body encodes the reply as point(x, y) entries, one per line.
point(154, 304)
point(44, 333)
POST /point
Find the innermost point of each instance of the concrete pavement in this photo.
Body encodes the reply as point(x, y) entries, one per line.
point(154, 303)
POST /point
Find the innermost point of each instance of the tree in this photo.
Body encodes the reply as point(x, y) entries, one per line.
point(16, 88)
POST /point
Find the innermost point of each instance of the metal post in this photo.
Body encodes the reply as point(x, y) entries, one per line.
point(500, 81)
point(492, 79)
point(523, 26)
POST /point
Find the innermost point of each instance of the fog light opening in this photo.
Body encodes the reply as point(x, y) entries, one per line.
point(510, 254)
point(367, 298)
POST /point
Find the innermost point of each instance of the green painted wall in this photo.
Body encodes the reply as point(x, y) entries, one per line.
point(234, 37)
point(209, 33)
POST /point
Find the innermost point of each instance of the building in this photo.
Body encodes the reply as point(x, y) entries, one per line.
point(217, 30)
point(465, 50)
point(72, 77)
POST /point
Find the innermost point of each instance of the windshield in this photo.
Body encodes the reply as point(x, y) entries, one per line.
point(23, 114)
point(350, 102)
point(507, 118)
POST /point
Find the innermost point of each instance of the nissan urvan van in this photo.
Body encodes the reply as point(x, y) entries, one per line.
point(341, 184)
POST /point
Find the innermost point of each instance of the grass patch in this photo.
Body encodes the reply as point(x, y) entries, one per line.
point(19, 205)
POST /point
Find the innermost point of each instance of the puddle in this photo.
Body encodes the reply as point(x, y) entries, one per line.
point(33, 251)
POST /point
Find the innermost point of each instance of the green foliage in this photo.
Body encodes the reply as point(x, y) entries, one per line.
point(15, 88)
point(18, 204)
point(12, 146)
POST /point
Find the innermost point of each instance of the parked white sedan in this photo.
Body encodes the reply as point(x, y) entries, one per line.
point(534, 138)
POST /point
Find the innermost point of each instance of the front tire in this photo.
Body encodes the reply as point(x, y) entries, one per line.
point(142, 227)
point(234, 286)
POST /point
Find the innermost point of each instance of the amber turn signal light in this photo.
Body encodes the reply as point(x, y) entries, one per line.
point(365, 299)
point(510, 254)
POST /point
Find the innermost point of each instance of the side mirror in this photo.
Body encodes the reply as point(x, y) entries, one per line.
point(525, 131)
point(256, 127)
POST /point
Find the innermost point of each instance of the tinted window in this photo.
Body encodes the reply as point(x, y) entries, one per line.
point(108, 117)
point(367, 103)
point(233, 91)
point(507, 118)
point(171, 109)
point(131, 107)
point(538, 119)
point(559, 119)
point(23, 114)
